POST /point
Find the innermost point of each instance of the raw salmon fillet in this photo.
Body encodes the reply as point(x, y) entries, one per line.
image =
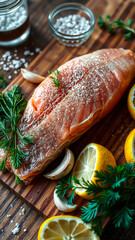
point(90, 86)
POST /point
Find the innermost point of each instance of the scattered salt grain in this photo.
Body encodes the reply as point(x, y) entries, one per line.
point(37, 50)
point(16, 63)
point(22, 211)
point(26, 64)
point(23, 60)
point(26, 52)
point(16, 229)
point(8, 215)
point(9, 77)
point(25, 230)
point(12, 221)
point(6, 54)
point(11, 61)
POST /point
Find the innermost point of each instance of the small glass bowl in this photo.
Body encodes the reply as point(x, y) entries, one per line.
point(64, 10)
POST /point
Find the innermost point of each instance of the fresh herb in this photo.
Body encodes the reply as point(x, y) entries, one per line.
point(17, 180)
point(111, 26)
point(113, 196)
point(2, 81)
point(63, 186)
point(12, 105)
point(55, 78)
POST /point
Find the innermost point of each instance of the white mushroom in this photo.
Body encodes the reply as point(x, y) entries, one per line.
point(31, 77)
point(63, 168)
point(62, 203)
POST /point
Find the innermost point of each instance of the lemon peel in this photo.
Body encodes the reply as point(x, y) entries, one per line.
point(93, 157)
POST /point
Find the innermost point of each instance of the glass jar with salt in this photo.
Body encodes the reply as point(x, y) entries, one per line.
point(14, 22)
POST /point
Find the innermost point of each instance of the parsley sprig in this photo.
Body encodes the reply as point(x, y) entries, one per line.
point(12, 105)
point(106, 22)
point(63, 186)
point(2, 81)
point(55, 78)
point(113, 196)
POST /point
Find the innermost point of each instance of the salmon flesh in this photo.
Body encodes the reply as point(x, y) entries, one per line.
point(90, 86)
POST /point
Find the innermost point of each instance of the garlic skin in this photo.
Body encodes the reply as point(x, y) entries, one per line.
point(63, 168)
point(62, 203)
point(31, 77)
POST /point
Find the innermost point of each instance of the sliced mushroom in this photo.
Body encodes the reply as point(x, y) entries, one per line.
point(62, 203)
point(31, 77)
point(64, 168)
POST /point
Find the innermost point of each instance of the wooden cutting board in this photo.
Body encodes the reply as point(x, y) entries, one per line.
point(111, 132)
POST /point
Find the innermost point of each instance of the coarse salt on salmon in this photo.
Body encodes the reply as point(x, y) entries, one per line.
point(91, 85)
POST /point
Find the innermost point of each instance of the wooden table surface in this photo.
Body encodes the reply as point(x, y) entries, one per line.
point(12, 209)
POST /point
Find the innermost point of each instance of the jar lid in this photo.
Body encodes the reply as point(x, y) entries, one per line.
point(9, 5)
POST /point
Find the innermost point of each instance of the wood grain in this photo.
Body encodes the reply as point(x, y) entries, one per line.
point(39, 194)
point(12, 211)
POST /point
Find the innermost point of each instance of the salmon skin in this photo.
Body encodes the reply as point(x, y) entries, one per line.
point(90, 86)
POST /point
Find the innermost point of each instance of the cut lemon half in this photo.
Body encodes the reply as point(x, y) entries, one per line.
point(129, 147)
point(65, 228)
point(93, 157)
point(131, 102)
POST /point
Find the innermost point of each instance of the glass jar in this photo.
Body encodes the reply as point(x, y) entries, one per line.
point(14, 22)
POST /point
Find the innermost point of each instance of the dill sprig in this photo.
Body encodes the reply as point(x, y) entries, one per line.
point(17, 180)
point(2, 81)
point(113, 196)
point(106, 22)
point(55, 78)
point(12, 105)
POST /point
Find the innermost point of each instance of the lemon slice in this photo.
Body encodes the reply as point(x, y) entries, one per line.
point(131, 102)
point(93, 157)
point(129, 147)
point(65, 228)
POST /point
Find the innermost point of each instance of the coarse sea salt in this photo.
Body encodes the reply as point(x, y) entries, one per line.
point(10, 60)
point(22, 211)
point(16, 229)
point(14, 20)
point(72, 24)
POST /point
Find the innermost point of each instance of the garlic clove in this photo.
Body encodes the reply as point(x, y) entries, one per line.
point(31, 77)
point(62, 203)
point(63, 168)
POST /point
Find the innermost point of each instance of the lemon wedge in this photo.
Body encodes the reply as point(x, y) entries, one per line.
point(129, 147)
point(65, 228)
point(131, 102)
point(93, 157)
